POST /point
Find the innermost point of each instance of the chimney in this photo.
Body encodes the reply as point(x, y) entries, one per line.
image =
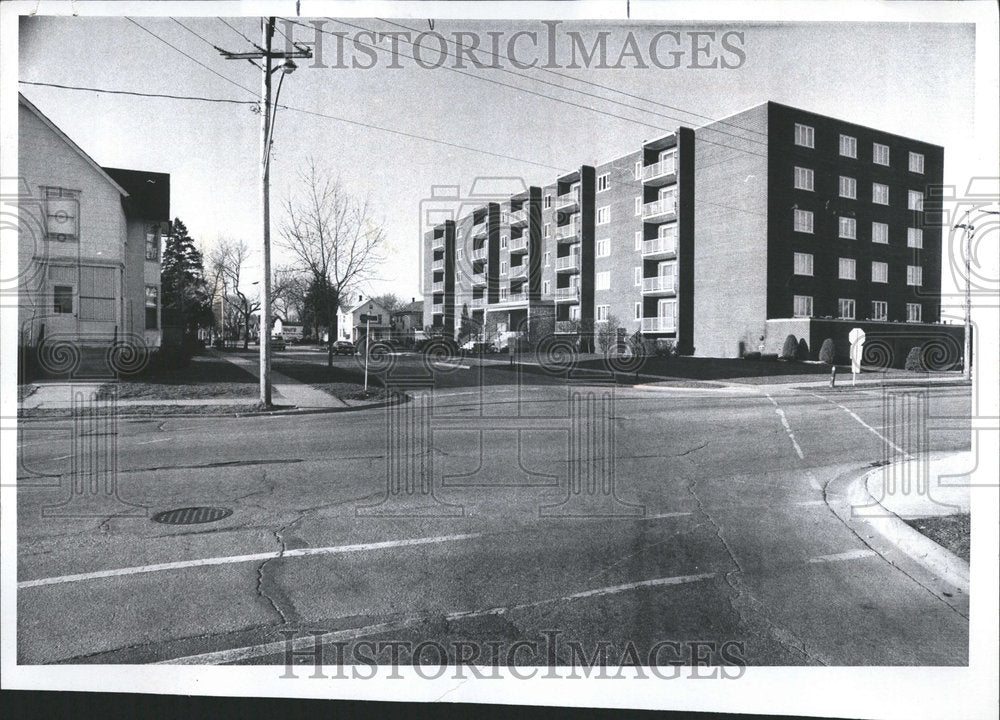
point(412, 300)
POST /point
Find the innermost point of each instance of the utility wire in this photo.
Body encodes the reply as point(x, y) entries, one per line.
point(139, 94)
point(200, 37)
point(221, 20)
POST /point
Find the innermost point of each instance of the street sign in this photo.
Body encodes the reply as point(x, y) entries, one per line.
point(369, 318)
point(857, 338)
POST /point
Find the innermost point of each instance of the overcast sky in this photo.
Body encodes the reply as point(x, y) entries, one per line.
point(911, 79)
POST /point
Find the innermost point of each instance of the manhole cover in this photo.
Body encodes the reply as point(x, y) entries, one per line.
point(192, 515)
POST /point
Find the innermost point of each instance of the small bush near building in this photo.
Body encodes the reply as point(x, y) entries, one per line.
point(803, 350)
point(826, 352)
point(752, 355)
point(790, 349)
point(769, 357)
point(665, 348)
point(913, 359)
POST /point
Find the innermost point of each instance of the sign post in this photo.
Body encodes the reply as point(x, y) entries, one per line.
point(857, 338)
point(368, 334)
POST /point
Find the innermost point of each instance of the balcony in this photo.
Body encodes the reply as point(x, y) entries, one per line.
point(660, 285)
point(568, 202)
point(438, 308)
point(478, 279)
point(478, 303)
point(480, 229)
point(567, 326)
point(519, 217)
point(438, 264)
point(519, 271)
point(480, 254)
point(438, 287)
point(437, 243)
point(659, 325)
point(664, 246)
point(660, 210)
point(568, 234)
point(567, 294)
point(519, 244)
point(568, 263)
point(661, 173)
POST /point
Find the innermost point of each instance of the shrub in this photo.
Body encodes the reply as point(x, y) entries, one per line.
point(665, 347)
point(826, 352)
point(752, 355)
point(914, 361)
point(790, 348)
point(803, 350)
point(769, 357)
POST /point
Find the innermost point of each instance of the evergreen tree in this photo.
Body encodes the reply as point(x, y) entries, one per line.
point(185, 297)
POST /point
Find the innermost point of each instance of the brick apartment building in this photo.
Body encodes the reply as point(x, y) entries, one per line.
point(720, 239)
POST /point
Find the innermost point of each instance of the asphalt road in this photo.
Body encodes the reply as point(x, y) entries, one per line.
point(517, 518)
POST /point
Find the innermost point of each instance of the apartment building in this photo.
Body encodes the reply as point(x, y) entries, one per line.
point(90, 242)
point(721, 239)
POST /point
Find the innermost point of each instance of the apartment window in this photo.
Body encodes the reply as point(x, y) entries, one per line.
point(504, 217)
point(602, 280)
point(914, 237)
point(880, 272)
point(603, 311)
point(803, 306)
point(638, 206)
point(153, 242)
point(880, 154)
point(638, 169)
point(845, 308)
point(504, 292)
point(848, 187)
point(804, 135)
point(848, 146)
point(638, 239)
point(603, 248)
point(503, 267)
point(62, 299)
point(848, 269)
point(848, 228)
point(914, 200)
point(914, 275)
point(914, 312)
point(638, 311)
point(152, 307)
point(62, 208)
point(547, 229)
point(880, 233)
point(460, 254)
point(503, 242)
point(603, 215)
point(545, 287)
point(916, 164)
point(880, 194)
point(880, 310)
point(548, 201)
point(602, 182)
point(547, 258)
point(803, 264)
point(803, 221)
point(637, 274)
point(803, 178)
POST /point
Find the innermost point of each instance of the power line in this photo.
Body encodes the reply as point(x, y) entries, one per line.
point(139, 94)
point(200, 37)
point(222, 20)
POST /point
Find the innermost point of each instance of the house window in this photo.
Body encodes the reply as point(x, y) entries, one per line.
point(547, 230)
point(602, 280)
point(880, 194)
point(62, 299)
point(848, 187)
point(848, 269)
point(848, 228)
point(880, 310)
point(914, 312)
point(503, 241)
point(603, 215)
point(880, 272)
point(638, 206)
point(602, 182)
point(548, 201)
point(804, 135)
point(603, 311)
point(803, 221)
point(638, 311)
point(62, 214)
point(803, 178)
point(803, 306)
point(637, 276)
point(547, 258)
point(914, 275)
point(916, 165)
point(638, 239)
point(914, 237)
point(880, 233)
point(545, 287)
point(914, 200)
point(848, 146)
point(153, 242)
point(845, 307)
point(880, 154)
point(803, 264)
point(503, 267)
point(603, 248)
point(638, 169)
point(152, 307)
point(97, 293)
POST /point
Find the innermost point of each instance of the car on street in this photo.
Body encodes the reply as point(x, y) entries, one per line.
point(277, 342)
point(344, 347)
point(479, 348)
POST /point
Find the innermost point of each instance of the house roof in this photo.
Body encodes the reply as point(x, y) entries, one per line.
point(417, 306)
point(66, 139)
point(149, 192)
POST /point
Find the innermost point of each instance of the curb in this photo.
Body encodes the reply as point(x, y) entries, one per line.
point(939, 570)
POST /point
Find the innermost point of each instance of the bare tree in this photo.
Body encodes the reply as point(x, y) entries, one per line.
point(332, 236)
point(227, 260)
point(289, 288)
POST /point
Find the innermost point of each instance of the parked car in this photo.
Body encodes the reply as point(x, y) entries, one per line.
point(343, 347)
point(277, 342)
point(479, 348)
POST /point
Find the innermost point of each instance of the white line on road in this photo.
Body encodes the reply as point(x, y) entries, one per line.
point(849, 555)
point(255, 557)
point(308, 643)
point(788, 428)
point(150, 442)
point(875, 432)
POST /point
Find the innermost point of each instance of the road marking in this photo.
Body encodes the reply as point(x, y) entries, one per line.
point(453, 366)
point(150, 442)
point(308, 643)
point(664, 515)
point(872, 430)
point(849, 555)
point(234, 559)
point(788, 428)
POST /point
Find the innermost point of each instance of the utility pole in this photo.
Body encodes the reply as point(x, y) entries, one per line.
point(265, 55)
point(970, 230)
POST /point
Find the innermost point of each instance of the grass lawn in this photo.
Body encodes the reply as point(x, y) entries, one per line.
point(949, 531)
point(205, 377)
point(346, 383)
point(148, 410)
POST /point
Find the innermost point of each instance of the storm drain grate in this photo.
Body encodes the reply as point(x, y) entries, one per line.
point(192, 515)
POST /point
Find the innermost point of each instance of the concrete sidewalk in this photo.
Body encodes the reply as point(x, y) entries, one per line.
point(929, 486)
point(292, 391)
